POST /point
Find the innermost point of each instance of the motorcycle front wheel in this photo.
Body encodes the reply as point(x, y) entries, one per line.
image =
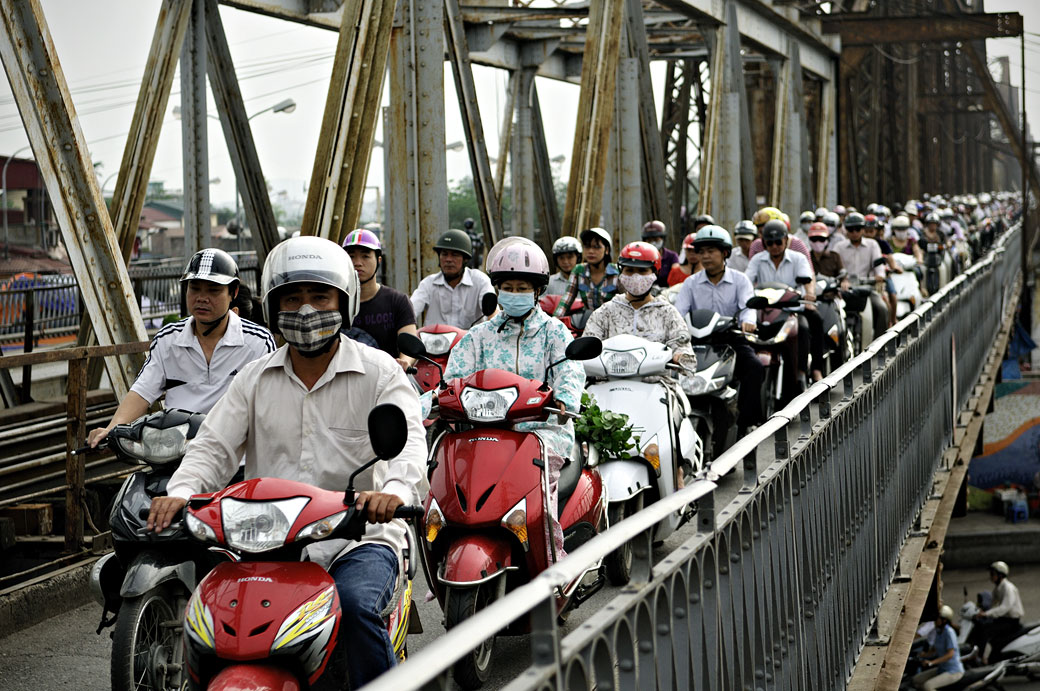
point(472, 670)
point(147, 653)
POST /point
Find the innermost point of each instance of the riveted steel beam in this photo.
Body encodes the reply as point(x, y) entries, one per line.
point(418, 174)
point(727, 163)
point(522, 159)
point(348, 127)
point(505, 133)
point(239, 137)
point(194, 144)
point(595, 115)
point(622, 193)
point(655, 193)
point(42, 95)
point(462, 69)
point(548, 211)
point(789, 182)
point(869, 31)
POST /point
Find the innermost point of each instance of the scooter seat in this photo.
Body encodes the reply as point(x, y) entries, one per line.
point(569, 476)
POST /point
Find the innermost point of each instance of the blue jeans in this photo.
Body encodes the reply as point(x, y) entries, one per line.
point(365, 579)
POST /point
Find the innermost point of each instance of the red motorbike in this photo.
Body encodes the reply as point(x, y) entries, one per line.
point(485, 530)
point(438, 339)
point(574, 319)
point(270, 621)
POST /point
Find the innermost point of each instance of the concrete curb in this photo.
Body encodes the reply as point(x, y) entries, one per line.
point(46, 597)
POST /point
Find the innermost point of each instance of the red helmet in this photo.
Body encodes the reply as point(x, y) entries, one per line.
point(640, 255)
point(687, 243)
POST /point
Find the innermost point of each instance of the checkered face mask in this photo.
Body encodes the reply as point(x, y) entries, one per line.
point(310, 331)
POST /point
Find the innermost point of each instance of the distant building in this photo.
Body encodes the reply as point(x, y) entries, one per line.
point(30, 216)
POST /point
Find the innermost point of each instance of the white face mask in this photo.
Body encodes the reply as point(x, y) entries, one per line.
point(805, 227)
point(637, 285)
point(657, 242)
point(900, 234)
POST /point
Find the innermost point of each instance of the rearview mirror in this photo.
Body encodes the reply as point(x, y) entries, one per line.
point(757, 303)
point(584, 348)
point(488, 304)
point(387, 430)
point(411, 345)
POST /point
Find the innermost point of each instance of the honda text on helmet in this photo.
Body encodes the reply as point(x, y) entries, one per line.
point(212, 266)
point(309, 262)
point(639, 262)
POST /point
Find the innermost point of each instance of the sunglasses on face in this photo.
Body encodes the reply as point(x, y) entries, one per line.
point(774, 243)
point(817, 240)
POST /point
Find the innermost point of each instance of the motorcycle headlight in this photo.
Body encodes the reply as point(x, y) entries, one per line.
point(307, 619)
point(436, 344)
point(199, 529)
point(257, 526)
point(157, 445)
point(703, 382)
point(323, 528)
point(199, 622)
point(623, 363)
point(488, 405)
point(515, 521)
point(784, 332)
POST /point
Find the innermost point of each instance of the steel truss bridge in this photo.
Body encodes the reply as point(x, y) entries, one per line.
point(764, 100)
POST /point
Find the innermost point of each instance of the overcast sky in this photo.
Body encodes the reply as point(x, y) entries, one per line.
point(103, 45)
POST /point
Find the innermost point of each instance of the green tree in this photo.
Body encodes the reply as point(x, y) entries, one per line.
point(462, 204)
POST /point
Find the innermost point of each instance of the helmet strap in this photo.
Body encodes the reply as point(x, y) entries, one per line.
point(212, 325)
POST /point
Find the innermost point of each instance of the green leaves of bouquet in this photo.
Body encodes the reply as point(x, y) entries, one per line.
point(608, 431)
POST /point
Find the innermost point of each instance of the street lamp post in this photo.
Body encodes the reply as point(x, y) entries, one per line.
point(3, 175)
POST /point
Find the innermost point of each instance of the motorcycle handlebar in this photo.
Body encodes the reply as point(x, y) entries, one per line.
point(406, 512)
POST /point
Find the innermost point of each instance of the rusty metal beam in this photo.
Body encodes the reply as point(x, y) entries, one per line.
point(595, 115)
point(652, 166)
point(239, 137)
point(505, 134)
point(871, 30)
point(466, 90)
point(42, 95)
point(194, 142)
point(548, 211)
point(352, 109)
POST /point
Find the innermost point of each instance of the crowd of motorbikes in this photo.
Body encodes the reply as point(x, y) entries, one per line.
point(222, 595)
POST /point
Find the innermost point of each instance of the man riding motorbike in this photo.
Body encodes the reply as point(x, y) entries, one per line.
point(727, 291)
point(998, 624)
point(654, 233)
point(744, 234)
point(452, 295)
point(566, 252)
point(192, 361)
point(863, 260)
point(782, 265)
point(299, 413)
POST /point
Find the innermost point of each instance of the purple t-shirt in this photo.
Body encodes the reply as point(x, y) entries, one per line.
point(383, 316)
point(668, 258)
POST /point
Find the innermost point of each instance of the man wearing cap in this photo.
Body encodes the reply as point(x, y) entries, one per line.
point(744, 234)
point(998, 624)
point(452, 295)
point(384, 312)
point(863, 260)
point(193, 361)
point(654, 233)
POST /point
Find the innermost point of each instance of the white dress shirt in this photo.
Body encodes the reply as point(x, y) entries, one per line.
point(318, 436)
point(728, 297)
point(458, 306)
point(177, 366)
point(762, 270)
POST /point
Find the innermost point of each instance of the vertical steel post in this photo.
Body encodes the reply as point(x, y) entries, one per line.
point(75, 436)
point(548, 210)
point(1026, 154)
point(249, 176)
point(466, 90)
point(29, 342)
point(197, 231)
point(522, 158)
point(655, 193)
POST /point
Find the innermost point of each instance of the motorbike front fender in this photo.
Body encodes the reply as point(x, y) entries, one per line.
point(625, 479)
point(150, 569)
point(476, 558)
point(254, 678)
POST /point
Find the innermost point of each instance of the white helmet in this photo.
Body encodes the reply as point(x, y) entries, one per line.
point(567, 243)
point(517, 257)
point(1000, 567)
point(309, 259)
point(946, 612)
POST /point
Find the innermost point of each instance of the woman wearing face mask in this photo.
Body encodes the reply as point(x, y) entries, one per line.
point(638, 313)
point(521, 338)
point(901, 240)
point(654, 233)
point(825, 262)
point(691, 263)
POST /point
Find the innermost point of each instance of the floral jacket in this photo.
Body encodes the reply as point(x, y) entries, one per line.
point(527, 348)
point(656, 321)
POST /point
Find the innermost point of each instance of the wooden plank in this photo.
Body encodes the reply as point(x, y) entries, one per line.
point(66, 354)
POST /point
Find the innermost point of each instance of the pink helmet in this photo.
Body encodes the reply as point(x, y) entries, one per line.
point(517, 258)
point(363, 238)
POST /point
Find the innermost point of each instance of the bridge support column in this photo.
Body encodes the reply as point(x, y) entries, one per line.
point(194, 141)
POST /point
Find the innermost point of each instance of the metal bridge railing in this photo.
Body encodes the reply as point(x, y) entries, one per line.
point(779, 588)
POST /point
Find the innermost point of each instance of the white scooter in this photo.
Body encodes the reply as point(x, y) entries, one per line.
point(631, 376)
point(908, 290)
